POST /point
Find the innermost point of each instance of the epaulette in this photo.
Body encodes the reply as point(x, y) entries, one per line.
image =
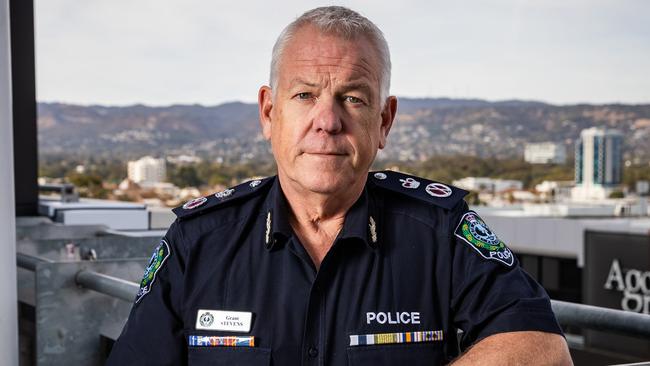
point(437, 193)
point(201, 205)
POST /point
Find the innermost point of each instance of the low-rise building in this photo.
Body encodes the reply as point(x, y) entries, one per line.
point(484, 184)
point(550, 190)
point(545, 153)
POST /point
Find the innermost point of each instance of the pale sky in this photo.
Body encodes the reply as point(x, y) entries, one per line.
point(161, 52)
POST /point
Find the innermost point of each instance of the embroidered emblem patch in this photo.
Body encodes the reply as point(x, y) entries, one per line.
point(267, 233)
point(194, 203)
point(255, 183)
point(380, 176)
point(373, 229)
point(438, 190)
point(410, 183)
point(225, 193)
point(158, 258)
point(473, 230)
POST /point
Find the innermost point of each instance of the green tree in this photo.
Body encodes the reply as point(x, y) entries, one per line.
point(184, 176)
point(88, 185)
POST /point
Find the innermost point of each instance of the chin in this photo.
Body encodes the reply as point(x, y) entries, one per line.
point(325, 181)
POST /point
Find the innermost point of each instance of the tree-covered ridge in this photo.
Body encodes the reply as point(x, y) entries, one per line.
point(423, 128)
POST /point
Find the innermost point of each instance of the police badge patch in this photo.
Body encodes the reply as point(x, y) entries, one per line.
point(156, 261)
point(473, 230)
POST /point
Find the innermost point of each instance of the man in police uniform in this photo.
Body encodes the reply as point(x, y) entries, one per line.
point(327, 264)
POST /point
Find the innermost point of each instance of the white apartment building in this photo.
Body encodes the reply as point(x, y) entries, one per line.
point(147, 170)
point(545, 153)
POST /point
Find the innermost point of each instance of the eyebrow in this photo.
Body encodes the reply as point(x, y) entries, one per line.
point(363, 87)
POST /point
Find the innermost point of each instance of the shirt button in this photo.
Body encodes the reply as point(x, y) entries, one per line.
point(313, 352)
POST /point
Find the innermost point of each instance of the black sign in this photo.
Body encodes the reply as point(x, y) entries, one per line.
point(617, 276)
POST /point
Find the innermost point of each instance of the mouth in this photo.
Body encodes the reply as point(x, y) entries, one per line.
point(326, 153)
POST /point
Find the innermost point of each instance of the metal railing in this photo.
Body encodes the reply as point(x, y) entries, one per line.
point(29, 261)
point(108, 285)
point(567, 313)
point(603, 319)
point(105, 284)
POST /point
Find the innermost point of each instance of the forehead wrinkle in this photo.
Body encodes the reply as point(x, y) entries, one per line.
point(358, 72)
point(323, 70)
point(299, 80)
point(363, 63)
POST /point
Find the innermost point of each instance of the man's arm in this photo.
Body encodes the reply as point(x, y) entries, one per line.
point(518, 348)
point(153, 333)
point(506, 316)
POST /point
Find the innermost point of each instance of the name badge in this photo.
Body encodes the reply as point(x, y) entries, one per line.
point(231, 321)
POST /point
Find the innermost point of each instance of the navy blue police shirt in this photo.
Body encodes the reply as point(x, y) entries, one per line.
point(231, 284)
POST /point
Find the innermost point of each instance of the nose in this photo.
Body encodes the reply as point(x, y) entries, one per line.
point(327, 116)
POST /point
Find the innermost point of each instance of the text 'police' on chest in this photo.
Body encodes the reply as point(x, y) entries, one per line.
point(397, 317)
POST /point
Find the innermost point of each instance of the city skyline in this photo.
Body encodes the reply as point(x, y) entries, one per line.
point(148, 52)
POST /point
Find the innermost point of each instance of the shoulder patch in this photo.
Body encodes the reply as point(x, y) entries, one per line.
point(200, 205)
point(474, 231)
point(158, 258)
point(439, 194)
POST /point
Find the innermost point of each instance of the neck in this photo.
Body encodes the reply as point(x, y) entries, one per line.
point(313, 206)
point(317, 218)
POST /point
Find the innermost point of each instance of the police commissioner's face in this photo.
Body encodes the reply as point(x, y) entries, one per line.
point(325, 120)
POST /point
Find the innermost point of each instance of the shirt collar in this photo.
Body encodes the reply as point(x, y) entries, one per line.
point(359, 223)
point(277, 216)
point(360, 220)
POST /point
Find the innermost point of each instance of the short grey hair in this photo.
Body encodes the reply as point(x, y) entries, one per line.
point(341, 22)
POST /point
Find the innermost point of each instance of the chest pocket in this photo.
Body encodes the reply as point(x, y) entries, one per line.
point(412, 354)
point(231, 356)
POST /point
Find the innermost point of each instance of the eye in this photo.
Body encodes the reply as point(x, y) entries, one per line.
point(303, 96)
point(352, 99)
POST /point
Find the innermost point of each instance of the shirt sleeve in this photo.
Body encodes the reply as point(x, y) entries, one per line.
point(153, 333)
point(491, 293)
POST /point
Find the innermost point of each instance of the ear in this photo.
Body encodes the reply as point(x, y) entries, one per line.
point(387, 117)
point(265, 105)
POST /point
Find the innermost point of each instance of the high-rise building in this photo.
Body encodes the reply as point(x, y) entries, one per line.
point(147, 170)
point(598, 163)
point(545, 153)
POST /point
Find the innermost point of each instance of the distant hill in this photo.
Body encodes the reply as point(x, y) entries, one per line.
point(424, 127)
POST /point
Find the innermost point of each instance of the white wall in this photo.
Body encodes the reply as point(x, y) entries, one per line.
point(8, 304)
